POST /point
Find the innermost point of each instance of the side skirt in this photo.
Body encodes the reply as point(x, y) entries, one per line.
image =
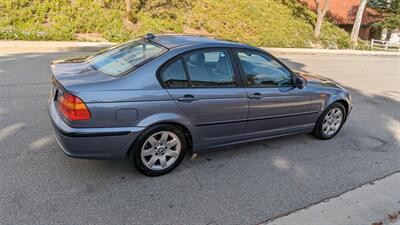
point(207, 147)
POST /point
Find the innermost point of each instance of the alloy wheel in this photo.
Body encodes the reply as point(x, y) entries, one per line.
point(332, 121)
point(161, 150)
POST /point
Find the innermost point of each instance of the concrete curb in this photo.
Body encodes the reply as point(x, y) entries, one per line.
point(65, 46)
point(373, 203)
point(51, 46)
point(311, 51)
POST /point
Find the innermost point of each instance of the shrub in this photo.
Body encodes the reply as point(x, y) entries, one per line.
point(270, 23)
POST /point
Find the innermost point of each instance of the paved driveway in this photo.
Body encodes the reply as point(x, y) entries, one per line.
point(248, 184)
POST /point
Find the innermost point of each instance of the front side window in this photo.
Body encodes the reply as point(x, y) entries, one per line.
point(262, 70)
point(118, 60)
point(210, 69)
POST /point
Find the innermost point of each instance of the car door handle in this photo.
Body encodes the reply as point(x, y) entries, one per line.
point(187, 98)
point(256, 96)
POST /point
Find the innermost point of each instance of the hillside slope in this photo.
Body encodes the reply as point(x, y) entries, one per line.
point(270, 23)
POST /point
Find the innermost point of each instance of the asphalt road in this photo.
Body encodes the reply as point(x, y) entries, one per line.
point(248, 184)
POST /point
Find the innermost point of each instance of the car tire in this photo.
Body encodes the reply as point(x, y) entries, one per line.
point(158, 150)
point(326, 126)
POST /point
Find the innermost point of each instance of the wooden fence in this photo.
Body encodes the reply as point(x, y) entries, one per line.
point(384, 45)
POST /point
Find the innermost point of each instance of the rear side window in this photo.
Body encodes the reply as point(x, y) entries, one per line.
point(210, 69)
point(173, 75)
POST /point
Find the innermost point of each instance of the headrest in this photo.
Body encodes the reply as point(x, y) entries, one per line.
point(197, 59)
point(222, 65)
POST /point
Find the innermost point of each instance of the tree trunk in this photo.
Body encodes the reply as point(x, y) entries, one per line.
point(388, 34)
point(128, 6)
point(320, 15)
point(318, 25)
point(357, 23)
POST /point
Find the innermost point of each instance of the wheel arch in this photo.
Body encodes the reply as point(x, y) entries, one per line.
point(345, 104)
point(186, 131)
point(339, 97)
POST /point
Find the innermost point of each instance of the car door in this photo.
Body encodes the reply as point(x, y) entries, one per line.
point(205, 86)
point(276, 105)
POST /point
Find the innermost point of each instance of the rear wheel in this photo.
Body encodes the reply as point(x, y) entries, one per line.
point(330, 122)
point(158, 150)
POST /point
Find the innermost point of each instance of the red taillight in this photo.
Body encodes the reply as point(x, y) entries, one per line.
point(72, 107)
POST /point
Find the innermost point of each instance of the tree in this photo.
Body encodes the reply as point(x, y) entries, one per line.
point(357, 23)
point(128, 6)
point(389, 14)
point(321, 11)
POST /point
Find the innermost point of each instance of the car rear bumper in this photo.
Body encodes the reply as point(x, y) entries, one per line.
point(92, 143)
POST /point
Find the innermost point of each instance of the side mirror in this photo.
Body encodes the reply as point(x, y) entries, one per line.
point(300, 82)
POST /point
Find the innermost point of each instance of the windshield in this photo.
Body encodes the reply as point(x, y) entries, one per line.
point(122, 58)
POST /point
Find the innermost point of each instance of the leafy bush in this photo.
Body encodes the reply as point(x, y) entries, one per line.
point(334, 38)
point(266, 23)
point(270, 23)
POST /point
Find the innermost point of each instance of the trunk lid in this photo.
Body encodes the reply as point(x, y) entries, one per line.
point(76, 71)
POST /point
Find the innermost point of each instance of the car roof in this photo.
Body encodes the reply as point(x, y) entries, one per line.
point(172, 41)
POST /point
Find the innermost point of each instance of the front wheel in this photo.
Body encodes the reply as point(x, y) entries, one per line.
point(330, 121)
point(158, 150)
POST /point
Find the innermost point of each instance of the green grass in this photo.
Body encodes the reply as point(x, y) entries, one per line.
point(269, 23)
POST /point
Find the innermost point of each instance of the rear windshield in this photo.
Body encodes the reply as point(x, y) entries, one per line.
point(120, 59)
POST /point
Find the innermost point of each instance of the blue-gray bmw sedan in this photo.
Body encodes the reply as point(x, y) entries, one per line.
point(156, 98)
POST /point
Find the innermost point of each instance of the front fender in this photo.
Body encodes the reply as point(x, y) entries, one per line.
point(337, 97)
point(322, 98)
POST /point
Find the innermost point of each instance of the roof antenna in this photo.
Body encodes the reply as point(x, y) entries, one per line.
point(150, 36)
